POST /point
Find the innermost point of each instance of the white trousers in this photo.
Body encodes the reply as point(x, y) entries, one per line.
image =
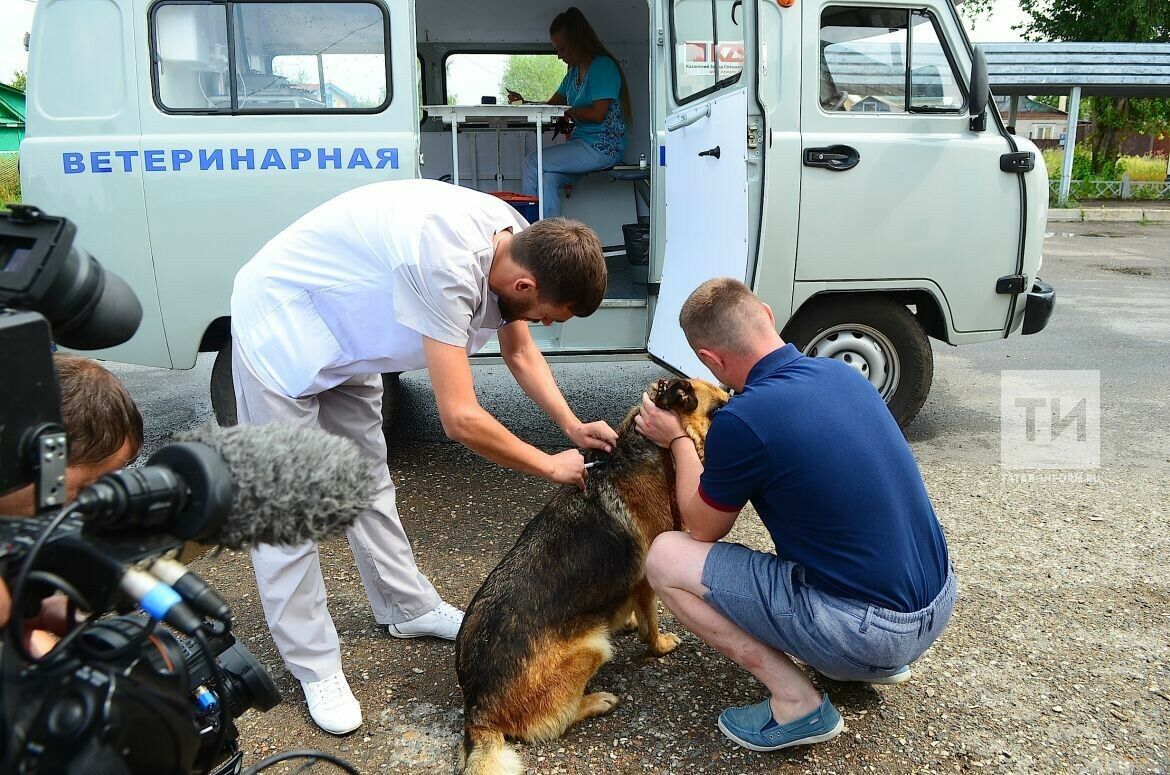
point(292, 589)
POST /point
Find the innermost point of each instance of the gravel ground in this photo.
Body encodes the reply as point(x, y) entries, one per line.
point(1056, 659)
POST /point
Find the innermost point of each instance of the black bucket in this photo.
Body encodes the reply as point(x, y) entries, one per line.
point(637, 237)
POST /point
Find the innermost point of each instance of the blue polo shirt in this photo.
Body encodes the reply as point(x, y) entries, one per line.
point(812, 445)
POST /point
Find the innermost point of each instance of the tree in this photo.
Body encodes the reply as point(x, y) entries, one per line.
point(19, 80)
point(1128, 21)
point(536, 76)
point(974, 9)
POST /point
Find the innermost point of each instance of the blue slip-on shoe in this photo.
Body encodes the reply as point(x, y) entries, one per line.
point(752, 726)
point(901, 676)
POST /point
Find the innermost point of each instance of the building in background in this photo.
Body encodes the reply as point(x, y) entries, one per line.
point(11, 118)
point(1041, 123)
point(1044, 125)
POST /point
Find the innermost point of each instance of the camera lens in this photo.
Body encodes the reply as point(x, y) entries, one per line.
point(41, 271)
point(88, 307)
point(246, 683)
point(253, 684)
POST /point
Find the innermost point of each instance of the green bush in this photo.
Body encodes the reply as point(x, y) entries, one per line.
point(9, 192)
point(1053, 158)
point(9, 178)
point(1085, 190)
point(1147, 193)
point(1082, 168)
point(1152, 168)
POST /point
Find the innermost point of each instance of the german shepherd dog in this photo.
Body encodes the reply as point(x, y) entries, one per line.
point(539, 628)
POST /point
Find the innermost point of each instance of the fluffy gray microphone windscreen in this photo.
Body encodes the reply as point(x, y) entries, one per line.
point(290, 484)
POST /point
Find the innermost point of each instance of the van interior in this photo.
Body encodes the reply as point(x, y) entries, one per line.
point(468, 51)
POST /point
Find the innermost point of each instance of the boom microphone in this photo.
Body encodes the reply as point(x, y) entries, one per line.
point(237, 487)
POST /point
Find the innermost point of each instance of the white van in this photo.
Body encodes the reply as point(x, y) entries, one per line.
point(837, 155)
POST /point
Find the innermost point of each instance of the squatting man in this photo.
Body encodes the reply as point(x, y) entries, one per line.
point(392, 277)
point(859, 584)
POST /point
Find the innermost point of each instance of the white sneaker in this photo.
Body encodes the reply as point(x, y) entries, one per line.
point(332, 705)
point(442, 622)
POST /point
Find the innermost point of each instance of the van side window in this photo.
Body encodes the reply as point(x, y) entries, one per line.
point(885, 60)
point(934, 85)
point(707, 40)
point(278, 57)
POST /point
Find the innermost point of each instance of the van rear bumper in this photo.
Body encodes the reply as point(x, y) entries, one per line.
point(1037, 311)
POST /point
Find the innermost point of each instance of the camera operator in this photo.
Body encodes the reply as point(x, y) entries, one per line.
point(102, 423)
point(104, 429)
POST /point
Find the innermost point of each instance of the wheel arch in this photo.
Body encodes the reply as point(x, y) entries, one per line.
point(924, 303)
point(886, 339)
point(216, 335)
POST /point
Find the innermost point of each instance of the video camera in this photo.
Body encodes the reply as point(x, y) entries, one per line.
point(116, 694)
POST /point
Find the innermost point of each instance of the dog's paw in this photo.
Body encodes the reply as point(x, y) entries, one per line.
point(605, 702)
point(666, 643)
point(597, 704)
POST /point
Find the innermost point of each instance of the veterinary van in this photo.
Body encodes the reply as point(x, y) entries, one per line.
point(839, 156)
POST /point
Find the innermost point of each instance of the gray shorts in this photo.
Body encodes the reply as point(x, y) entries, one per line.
point(846, 640)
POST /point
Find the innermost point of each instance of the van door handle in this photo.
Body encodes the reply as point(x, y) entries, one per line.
point(837, 158)
point(681, 120)
point(710, 152)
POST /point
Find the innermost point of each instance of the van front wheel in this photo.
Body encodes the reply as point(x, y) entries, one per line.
point(223, 392)
point(879, 338)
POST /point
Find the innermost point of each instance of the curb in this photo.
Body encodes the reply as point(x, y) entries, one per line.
point(1130, 215)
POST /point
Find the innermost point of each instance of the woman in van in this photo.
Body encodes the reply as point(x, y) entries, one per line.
point(599, 102)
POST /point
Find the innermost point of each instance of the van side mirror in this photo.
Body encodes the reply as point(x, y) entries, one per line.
point(980, 94)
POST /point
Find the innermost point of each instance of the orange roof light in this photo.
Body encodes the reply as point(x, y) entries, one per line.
point(785, 3)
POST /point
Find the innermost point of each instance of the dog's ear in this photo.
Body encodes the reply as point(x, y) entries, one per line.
point(679, 396)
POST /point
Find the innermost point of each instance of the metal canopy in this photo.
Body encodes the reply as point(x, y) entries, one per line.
point(1118, 69)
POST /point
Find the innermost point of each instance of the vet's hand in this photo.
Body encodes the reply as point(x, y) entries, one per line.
point(658, 425)
point(568, 467)
point(593, 435)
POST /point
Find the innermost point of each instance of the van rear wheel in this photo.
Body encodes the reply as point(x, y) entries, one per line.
point(223, 392)
point(879, 338)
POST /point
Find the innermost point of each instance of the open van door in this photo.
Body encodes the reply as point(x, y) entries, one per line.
point(705, 161)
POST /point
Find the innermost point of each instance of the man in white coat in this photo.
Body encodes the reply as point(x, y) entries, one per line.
point(391, 277)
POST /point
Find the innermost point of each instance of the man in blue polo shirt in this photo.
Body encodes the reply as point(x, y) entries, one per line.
point(860, 584)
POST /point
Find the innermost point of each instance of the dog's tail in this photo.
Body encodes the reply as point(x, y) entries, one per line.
point(484, 752)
